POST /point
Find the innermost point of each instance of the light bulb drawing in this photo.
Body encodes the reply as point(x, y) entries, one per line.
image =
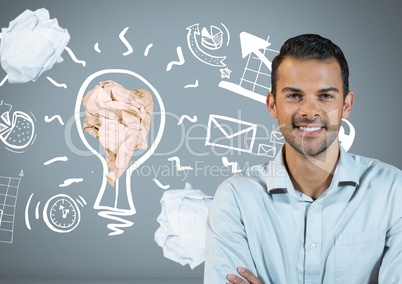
point(114, 212)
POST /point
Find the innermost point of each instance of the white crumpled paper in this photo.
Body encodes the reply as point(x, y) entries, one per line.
point(31, 45)
point(182, 225)
point(121, 120)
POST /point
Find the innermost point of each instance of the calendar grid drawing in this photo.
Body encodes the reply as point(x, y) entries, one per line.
point(8, 202)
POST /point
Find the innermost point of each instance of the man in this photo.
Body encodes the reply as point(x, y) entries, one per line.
point(315, 214)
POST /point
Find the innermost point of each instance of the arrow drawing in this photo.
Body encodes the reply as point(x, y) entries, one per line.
point(193, 32)
point(64, 211)
point(251, 44)
point(253, 81)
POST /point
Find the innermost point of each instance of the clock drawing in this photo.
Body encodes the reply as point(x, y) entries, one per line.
point(61, 214)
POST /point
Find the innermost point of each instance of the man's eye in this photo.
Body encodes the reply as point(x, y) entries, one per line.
point(293, 96)
point(327, 96)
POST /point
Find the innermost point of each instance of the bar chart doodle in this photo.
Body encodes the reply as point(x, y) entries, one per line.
point(255, 81)
point(8, 201)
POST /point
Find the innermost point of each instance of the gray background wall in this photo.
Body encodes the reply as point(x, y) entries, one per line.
point(367, 31)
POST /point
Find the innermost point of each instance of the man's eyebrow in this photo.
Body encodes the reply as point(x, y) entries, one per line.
point(327, 90)
point(296, 90)
point(291, 90)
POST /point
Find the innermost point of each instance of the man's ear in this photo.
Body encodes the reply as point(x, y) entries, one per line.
point(347, 104)
point(271, 105)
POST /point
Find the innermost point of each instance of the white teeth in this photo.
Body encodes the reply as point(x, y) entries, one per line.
point(309, 129)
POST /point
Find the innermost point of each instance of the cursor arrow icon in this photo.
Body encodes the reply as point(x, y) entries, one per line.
point(252, 44)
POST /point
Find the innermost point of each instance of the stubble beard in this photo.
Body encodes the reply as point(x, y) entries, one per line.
point(308, 146)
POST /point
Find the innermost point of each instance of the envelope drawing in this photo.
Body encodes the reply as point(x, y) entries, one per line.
point(221, 133)
point(266, 150)
point(277, 137)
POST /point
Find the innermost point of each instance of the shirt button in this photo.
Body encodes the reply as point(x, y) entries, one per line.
point(313, 246)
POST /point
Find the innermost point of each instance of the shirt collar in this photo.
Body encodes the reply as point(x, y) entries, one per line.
point(277, 177)
point(347, 168)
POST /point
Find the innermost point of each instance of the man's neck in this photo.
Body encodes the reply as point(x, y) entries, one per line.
point(311, 175)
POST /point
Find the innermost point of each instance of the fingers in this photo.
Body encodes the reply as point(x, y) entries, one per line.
point(250, 277)
point(233, 279)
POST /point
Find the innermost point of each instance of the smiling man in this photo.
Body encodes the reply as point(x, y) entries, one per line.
point(322, 215)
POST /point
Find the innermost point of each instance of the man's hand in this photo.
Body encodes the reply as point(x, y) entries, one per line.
point(233, 279)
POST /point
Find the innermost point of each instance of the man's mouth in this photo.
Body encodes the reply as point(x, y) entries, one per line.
point(309, 128)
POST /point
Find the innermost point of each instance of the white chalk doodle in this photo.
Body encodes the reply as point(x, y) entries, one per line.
point(146, 52)
point(193, 119)
point(108, 211)
point(9, 192)
point(195, 85)
point(225, 73)
point(96, 47)
point(37, 211)
point(27, 223)
point(212, 38)
point(347, 140)
point(57, 159)
point(4, 80)
point(70, 181)
point(193, 45)
point(227, 33)
point(178, 164)
point(252, 44)
point(125, 42)
point(59, 85)
point(254, 83)
point(19, 131)
point(180, 62)
point(158, 183)
point(74, 58)
point(233, 165)
point(81, 201)
point(266, 150)
point(58, 117)
point(61, 213)
point(230, 133)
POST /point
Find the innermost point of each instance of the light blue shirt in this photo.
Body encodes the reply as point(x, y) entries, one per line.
point(351, 234)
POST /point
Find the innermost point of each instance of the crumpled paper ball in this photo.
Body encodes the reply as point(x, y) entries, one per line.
point(183, 225)
point(121, 120)
point(31, 45)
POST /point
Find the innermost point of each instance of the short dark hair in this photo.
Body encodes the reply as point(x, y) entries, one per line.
point(310, 47)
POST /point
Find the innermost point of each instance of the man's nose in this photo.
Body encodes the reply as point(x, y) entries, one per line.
point(310, 108)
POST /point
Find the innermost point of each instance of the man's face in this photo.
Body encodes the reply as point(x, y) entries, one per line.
point(309, 104)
